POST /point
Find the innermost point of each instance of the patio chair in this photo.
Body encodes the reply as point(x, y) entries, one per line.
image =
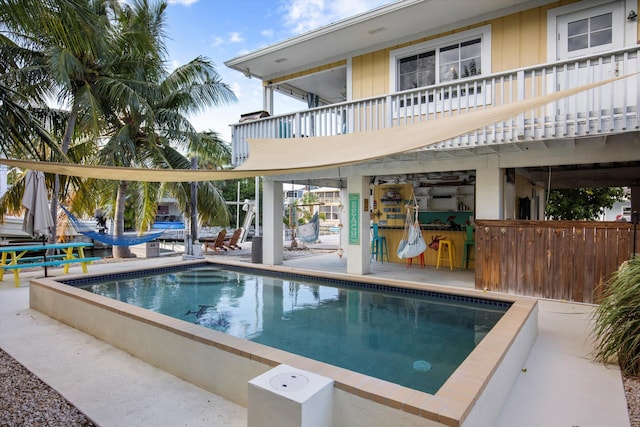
point(218, 244)
point(232, 243)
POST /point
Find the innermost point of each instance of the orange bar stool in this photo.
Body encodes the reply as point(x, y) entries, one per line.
point(410, 261)
point(446, 253)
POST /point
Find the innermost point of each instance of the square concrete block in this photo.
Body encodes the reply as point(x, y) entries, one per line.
point(290, 397)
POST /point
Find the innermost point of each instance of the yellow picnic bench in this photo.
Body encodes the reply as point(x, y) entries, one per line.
point(14, 257)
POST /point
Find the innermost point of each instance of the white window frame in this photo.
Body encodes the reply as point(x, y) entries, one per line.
point(558, 18)
point(484, 33)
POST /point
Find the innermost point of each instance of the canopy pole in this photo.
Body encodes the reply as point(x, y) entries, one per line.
point(257, 181)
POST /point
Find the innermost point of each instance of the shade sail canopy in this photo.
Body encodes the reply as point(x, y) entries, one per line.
point(278, 156)
point(37, 218)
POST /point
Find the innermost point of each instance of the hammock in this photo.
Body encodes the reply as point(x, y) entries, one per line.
point(109, 239)
point(412, 243)
point(310, 231)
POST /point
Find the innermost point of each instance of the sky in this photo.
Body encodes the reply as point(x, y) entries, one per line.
point(221, 30)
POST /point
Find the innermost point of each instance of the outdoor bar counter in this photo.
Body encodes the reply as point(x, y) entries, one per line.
point(394, 235)
point(443, 211)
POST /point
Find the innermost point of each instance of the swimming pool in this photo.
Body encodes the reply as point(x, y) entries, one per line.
point(472, 396)
point(416, 340)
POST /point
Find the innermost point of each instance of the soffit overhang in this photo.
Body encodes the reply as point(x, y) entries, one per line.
point(385, 26)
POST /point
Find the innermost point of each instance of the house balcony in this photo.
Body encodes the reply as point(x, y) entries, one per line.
point(607, 109)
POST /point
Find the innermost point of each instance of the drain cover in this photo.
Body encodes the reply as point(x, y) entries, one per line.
point(421, 365)
point(289, 381)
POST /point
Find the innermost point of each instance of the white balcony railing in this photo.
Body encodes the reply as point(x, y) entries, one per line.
point(607, 109)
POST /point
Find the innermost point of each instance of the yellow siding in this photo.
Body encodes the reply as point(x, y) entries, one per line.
point(380, 73)
point(356, 77)
point(366, 84)
point(518, 40)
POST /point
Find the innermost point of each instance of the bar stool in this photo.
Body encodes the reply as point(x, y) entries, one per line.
point(410, 261)
point(469, 248)
point(379, 246)
point(449, 257)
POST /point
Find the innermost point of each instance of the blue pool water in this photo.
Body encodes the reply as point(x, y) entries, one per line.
point(415, 339)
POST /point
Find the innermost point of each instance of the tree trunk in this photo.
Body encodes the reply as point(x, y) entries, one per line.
point(118, 220)
point(66, 142)
point(194, 204)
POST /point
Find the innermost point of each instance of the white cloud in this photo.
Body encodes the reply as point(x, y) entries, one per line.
point(217, 41)
point(306, 15)
point(235, 37)
point(237, 89)
point(267, 33)
point(183, 2)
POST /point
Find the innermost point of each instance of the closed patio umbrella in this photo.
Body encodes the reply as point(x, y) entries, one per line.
point(37, 218)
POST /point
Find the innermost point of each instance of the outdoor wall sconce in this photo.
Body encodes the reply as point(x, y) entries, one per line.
point(632, 16)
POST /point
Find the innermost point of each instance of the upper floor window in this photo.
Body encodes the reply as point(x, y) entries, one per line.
point(439, 65)
point(417, 70)
point(590, 32)
point(589, 27)
point(450, 58)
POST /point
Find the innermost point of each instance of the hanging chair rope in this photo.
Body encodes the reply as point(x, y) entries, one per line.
point(412, 243)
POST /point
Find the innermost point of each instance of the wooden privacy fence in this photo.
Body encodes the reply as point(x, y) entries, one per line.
point(564, 260)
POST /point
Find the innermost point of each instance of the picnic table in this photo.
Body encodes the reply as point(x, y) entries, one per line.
point(15, 257)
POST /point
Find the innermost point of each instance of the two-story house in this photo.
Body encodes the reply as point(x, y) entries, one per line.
point(454, 103)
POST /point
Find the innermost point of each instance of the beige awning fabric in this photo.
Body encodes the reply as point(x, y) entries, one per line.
point(270, 157)
point(130, 174)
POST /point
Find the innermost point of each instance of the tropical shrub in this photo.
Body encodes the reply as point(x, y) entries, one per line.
point(617, 320)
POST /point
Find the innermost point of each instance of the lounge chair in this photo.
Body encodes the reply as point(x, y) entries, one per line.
point(218, 244)
point(232, 243)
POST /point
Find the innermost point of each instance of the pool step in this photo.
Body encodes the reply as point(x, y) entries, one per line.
point(210, 276)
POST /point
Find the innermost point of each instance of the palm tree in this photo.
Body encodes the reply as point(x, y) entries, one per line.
point(67, 42)
point(26, 122)
point(154, 131)
point(106, 63)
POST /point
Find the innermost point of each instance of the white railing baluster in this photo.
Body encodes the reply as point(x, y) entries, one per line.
point(599, 92)
point(520, 83)
point(612, 101)
point(599, 110)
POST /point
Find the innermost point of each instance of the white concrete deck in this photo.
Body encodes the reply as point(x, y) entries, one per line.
point(561, 385)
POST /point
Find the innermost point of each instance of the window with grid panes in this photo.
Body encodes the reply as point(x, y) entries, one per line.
point(590, 32)
point(439, 65)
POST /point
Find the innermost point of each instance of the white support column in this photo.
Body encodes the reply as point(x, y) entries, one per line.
point(344, 218)
point(635, 198)
point(272, 225)
point(541, 203)
point(267, 99)
point(490, 191)
point(357, 225)
point(509, 197)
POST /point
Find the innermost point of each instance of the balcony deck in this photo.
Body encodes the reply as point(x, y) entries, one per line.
point(605, 110)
